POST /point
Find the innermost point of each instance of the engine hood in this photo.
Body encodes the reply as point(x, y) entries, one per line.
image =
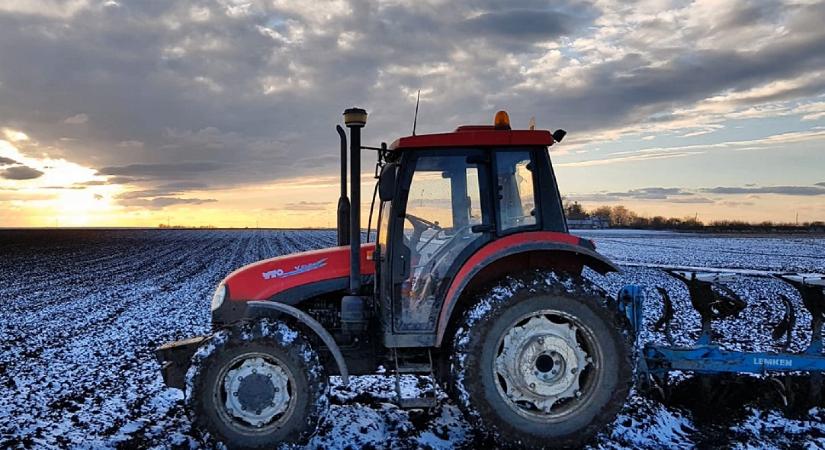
point(264, 279)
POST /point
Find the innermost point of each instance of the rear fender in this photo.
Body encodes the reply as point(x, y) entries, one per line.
point(486, 266)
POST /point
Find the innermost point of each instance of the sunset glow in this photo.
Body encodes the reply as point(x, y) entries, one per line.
point(222, 113)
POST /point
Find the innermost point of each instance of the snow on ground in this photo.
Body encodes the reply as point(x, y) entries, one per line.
point(81, 311)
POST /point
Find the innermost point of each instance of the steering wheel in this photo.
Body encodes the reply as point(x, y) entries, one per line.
point(423, 224)
point(419, 227)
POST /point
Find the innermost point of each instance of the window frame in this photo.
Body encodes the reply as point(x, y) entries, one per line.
point(395, 261)
point(537, 199)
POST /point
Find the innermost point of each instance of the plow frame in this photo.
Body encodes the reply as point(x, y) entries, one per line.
point(655, 361)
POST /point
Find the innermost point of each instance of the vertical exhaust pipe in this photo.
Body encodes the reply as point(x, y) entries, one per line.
point(343, 201)
point(355, 119)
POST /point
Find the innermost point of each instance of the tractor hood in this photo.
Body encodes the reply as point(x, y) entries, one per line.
point(264, 279)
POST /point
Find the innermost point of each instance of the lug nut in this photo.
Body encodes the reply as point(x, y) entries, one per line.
point(573, 370)
point(277, 390)
point(541, 341)
point(532, 385)
point(578, 394)
point(235, 394)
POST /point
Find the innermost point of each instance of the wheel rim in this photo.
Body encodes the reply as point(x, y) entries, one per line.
point(254, 393)
point(547, 365)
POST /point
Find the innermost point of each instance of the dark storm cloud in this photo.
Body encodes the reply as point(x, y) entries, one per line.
point(781, 190)
point(630, 90)
point(6, 161)
point(156, 93)
point(821, 184)
point(521, 24)
point(20, 173)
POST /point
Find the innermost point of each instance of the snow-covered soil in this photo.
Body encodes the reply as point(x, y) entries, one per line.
point(81, 311)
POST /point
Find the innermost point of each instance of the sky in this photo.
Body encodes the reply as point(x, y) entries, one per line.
point(222, 113)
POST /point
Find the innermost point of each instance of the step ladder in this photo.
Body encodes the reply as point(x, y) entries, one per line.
point(429, 399)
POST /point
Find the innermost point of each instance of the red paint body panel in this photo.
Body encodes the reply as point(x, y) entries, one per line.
point(263, 279)
point(499, 246)
point(476, 136)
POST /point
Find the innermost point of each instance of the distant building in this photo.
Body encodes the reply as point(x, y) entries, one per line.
point(592, 222)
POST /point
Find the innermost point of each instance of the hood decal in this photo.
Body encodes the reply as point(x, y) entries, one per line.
point(299, 269)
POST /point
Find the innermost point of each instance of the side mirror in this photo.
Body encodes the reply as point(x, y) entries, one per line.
point(386, 182)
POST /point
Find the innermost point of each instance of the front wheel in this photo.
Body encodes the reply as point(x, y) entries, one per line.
point(540, 362)
point(257, 386)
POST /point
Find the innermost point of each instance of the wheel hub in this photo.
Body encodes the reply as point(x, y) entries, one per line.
point(256, 391)
point(540, 363)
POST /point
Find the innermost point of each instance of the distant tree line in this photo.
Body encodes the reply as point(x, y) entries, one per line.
point(620, 217)
point(182, 227)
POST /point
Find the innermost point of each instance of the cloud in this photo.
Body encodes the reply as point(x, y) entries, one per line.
point(780, 190)
point(821, 184)
point(681, 151)
point(520, 24)
point(6, 161)
point(672, 195)
point(229, 94)
point(651, 193)
point(130, 144)
point(77, 119)
point(20, 173)
point(15, 135)
point(303, 206)
point(691, 200)
point(163, 202)
point(171, 170)
point(164, 190)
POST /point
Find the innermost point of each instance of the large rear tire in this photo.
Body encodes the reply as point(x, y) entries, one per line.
point(257, 387)
point(540, 361)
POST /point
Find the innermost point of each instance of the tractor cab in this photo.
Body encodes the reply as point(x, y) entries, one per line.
point(441, 198)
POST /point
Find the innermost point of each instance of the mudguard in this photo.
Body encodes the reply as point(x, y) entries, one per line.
point(581, 250)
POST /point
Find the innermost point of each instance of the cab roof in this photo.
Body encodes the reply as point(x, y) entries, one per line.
point(475, 136)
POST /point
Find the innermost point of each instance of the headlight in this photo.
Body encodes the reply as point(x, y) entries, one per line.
point(218, 296)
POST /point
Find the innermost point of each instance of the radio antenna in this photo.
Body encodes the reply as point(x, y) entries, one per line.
point(415, 119)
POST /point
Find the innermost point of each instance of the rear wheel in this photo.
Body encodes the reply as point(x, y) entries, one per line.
point(540, 362)
point(257, 387)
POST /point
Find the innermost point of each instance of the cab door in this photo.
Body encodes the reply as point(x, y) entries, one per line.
point(442, 216)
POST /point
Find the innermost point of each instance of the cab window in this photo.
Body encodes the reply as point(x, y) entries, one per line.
point(516, 195)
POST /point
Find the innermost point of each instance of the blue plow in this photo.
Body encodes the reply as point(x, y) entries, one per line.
point(713, 301)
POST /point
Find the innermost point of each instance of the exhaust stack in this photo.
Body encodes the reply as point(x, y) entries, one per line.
point(343, 201)
point(355, 119)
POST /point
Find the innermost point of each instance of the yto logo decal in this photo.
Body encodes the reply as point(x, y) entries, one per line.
point(299, 269)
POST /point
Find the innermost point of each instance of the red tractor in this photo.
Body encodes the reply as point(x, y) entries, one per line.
point(473, 278)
